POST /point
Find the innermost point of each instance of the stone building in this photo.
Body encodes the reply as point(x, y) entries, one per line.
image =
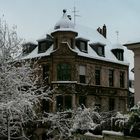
point(135, 47)
point(83, 66)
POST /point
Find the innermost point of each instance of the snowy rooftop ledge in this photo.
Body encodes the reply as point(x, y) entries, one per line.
point(112, 133)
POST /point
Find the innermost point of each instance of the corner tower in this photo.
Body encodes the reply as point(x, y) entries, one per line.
point(64, 32)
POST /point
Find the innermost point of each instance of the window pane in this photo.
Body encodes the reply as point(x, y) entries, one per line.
point(45, 105)
point(111, 104)
point(42, 47)
point(83, 46)
point(111, 77)
point(59, 103)
point(82, 101)
point(68, 102)
point(97, 76)
point(63, 72)
point(122, 74)
point(82, 70)
point(82, 78)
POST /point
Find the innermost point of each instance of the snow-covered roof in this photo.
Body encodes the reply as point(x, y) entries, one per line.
point(117, 46)
point(64, 22)
point(35, 53)
point(92, 37)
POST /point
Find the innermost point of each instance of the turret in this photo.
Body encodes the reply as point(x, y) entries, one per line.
point(64, 31)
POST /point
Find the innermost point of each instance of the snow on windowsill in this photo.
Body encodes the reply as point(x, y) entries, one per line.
point(92, 135)
point(64, 82)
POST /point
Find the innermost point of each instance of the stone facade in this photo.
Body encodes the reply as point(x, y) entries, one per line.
point(135, 47)
point(99, 95)
point(66, 62)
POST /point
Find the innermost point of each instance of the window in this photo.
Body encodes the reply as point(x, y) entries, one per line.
point(101, 50)
point(98, 48)
point(45, 105)
point(68, 102)
point(63, 102)
point(118, 53)
point(45, 73)
point(81, 43)
point(63, 72)
point(59, 103)
point(111, 78)
point(82, 73)
point(122, 79)
point(111, 104)
point(42, 47)
point(83, 46)
point(97, 76)
point(82, 101)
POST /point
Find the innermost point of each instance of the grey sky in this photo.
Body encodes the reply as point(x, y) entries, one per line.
point(34, 17)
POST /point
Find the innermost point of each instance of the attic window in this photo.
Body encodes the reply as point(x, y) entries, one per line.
point(42, 47)
point(118, 53)
point(99, 49)
point(28, 48)
point(82, 45)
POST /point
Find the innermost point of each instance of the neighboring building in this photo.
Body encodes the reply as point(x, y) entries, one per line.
point(131, 89)
point(135, 47)
point(83, 65)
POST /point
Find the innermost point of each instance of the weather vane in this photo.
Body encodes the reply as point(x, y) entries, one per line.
point(75, 15)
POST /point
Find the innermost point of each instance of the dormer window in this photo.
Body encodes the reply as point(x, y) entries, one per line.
point(118, 53)
point(42, 47)
point(82, 44)
point(28, 48)
point(44, 44)
point(98, 48)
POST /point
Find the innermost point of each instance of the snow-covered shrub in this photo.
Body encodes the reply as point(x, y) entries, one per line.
point(85, 119)
point(132, 125)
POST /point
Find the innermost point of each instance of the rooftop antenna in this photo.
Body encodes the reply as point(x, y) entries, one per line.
point(75, 15)
point(117, 33)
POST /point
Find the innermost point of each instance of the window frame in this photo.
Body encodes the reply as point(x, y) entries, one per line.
point(63, 72)
point(82, 74)
point(122, 79)
point(97, 76)
point(111, 77)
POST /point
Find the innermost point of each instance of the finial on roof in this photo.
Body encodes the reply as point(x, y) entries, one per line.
point(64, 11)
point(69, 16)
point(117, 33)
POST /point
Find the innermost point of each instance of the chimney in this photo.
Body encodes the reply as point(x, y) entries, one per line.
point(104, 31)
point(99, 30)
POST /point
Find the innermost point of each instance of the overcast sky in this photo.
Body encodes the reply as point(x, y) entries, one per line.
point(35, 17)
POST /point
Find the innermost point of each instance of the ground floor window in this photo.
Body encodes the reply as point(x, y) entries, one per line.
point(45, 105)
point(111, 104)
point(63, 102)
point(82, 101)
